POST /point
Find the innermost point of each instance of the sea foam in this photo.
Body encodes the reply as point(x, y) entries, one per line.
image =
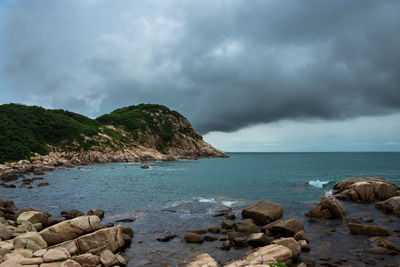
point(318, 183)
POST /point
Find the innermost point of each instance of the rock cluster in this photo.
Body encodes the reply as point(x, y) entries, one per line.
point(328, 208)
point(365, 189)
point(262, 227)
point(32, 238)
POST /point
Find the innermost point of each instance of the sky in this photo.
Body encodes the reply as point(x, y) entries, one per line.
point(261, 75)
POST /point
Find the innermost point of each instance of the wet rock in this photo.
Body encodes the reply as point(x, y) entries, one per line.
point(230, 216)
point(227, 224)
point(384, 243)
point(99, 213)
point(145, 166)
point(30, 240)
point(43, 184)
point(70, 229)
point(166, 238)
point(371, 230)
point(291, 244)
point(390, 205)
point(301, 235)
point(193, 237)
point(71, 214)
point(197, 231)
point(203, 260)
point(214, 229)
point(369, 220)
point(370, 261)
point(126, 220)
point(246, 226)
point(328, 208)
point(226, 245)
point(286, 228)
point(263, 212)
point(304, 245)
point(258, 240)
point(382, 251)
point(210, 238)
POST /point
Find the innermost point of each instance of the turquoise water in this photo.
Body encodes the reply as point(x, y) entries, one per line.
point(173, 196)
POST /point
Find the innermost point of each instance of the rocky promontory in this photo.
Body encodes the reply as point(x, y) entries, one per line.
point(34, 139)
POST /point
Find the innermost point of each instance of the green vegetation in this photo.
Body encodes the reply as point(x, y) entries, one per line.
point(25, 130)
point(278, 264)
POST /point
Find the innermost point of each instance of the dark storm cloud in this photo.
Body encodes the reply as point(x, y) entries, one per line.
point(223, 64)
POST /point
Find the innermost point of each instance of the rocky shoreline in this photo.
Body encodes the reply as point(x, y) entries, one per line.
point(259, 233)
point(38, 164)
point(34, 238)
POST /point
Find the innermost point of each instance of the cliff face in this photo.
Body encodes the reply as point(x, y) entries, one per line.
point(61, 138)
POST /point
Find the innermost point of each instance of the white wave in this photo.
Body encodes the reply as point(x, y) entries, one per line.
point(229, 203)
point(318, 183)
point(207, 200)
point(330, 192)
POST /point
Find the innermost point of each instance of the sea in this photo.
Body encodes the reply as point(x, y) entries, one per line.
point(171, 197)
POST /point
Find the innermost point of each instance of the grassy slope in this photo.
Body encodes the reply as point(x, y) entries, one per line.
point(28, 129)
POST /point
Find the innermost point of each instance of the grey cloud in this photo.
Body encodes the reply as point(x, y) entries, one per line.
point(223, 64)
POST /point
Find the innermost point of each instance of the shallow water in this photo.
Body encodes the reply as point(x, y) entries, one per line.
point(171, 197)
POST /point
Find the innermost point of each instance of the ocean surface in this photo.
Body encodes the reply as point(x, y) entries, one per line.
point(171, 197)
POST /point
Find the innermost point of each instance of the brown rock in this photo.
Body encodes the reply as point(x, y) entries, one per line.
point(291, 244)
point(193, 237)
point(390, 205)
point(30, 240)
point(70, 229)
point(87, 259)
point(33, 217)
point(286, 228)
point(227, 224)
point(258, 240)
point(210, 238)
point(328, 208)
point(203, 260)
point(300, 235)
point(56, 254)
point(107, 258)
point(371, 230)
point(214, 229)
point(263, 212)
point(107, 238)
point(246, 226)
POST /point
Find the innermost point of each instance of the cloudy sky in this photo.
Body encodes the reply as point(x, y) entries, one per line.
point(257, 75)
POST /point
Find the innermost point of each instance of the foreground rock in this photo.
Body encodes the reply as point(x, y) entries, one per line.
point(328, 208)
point(203, 260)
point(79, 242)
point(263, 212)
point(365, 189)
point(390, 205)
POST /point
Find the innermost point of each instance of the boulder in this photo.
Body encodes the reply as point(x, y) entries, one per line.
point(25, 227)
point(370, 229)
point(227, 224)
point(68, 230)
point(214, 229)
point(300, 235)
point(56, 254)
point(329, 208)
point(30, 240)
point(246, 226)
point(5, 233)
point(210, 238)
point(263, 212)
point(33, 217)
point(390, 205)
point(87, 259)
point(365, 189)
point(291, 244)
point(193, 237)
point(98, 212)
point(107, 238)
point(286, 228)
point(257, 240)
point(269, 254)
point(71, 214)
point(203, 260)
point(107, 258)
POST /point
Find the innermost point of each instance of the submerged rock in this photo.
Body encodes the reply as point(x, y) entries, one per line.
point(371, 229)
point(193, 238)
point(263, 212)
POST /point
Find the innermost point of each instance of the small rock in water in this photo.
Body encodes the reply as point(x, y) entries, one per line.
point(76, 178)
point(71, 214)
point(197, 231)
point(166, 238)
point(214, 229)
point(370, 261)
point(145, 166)
point(43, 184)
point(210, 238)
point(193, 237)
point(127, 220)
